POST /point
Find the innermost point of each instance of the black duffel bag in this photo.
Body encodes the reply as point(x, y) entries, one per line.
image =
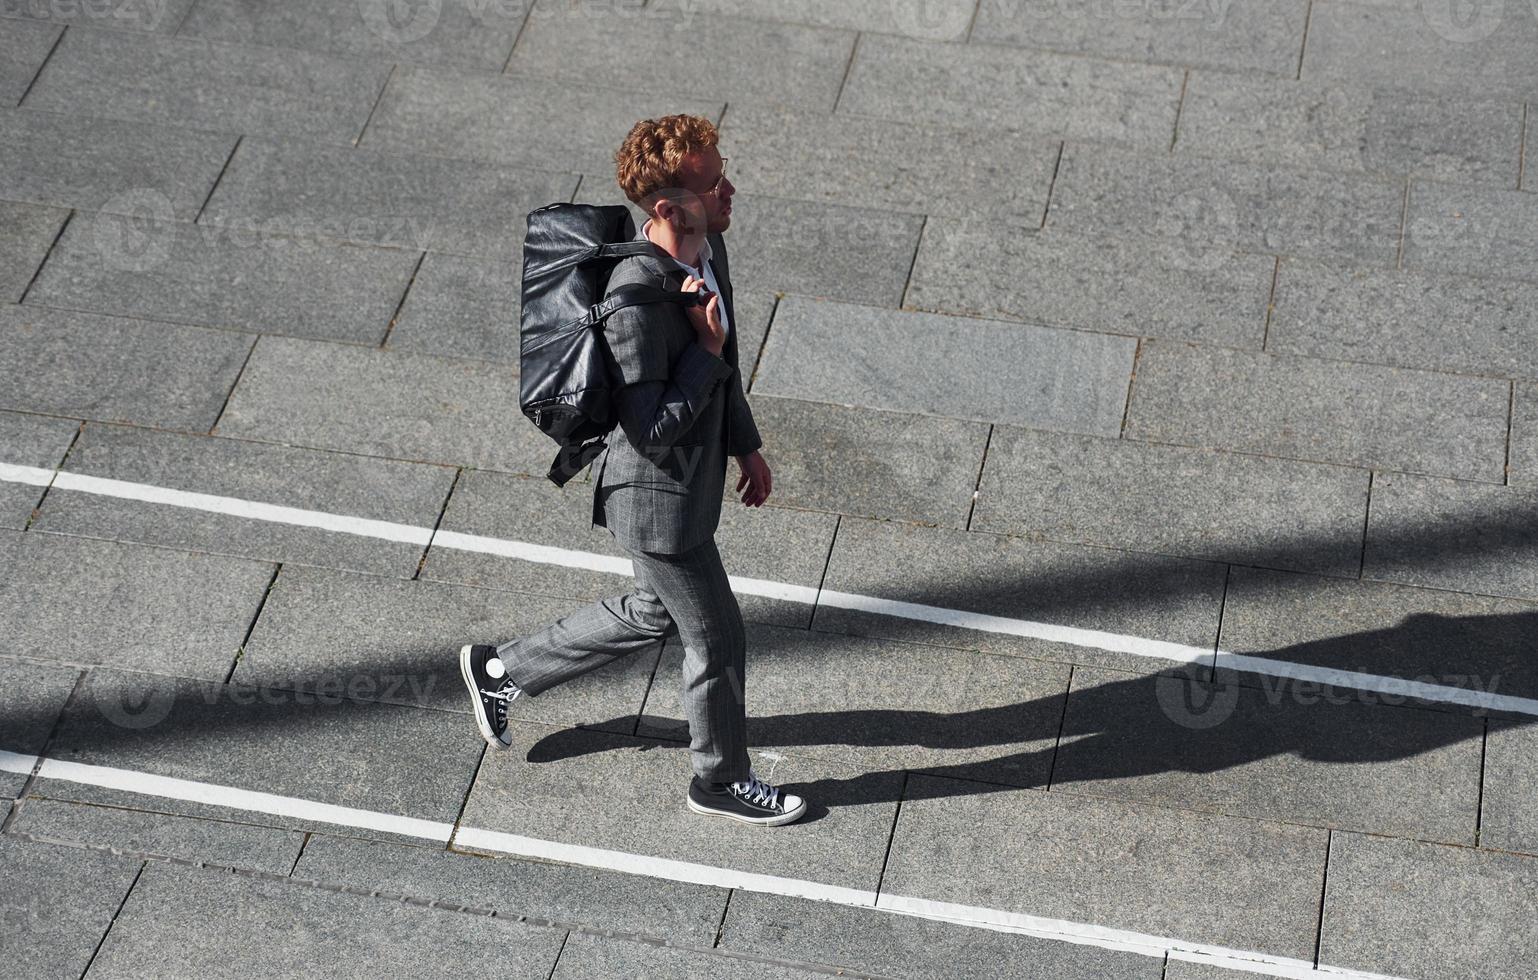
point(569, 251)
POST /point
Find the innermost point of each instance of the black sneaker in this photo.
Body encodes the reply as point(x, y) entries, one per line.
point(490, 689)
point(751, 801)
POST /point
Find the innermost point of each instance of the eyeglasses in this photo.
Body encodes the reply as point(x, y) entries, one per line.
point(715, 185)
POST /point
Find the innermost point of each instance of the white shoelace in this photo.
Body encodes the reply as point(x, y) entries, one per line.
point(508, 692)
point(758, 791)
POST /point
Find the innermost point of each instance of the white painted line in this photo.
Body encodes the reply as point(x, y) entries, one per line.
point(236, 507)
point(14, 762)
point(1096, 639)
point(1400, 686)
point(657, 867)
point(543, 554)
point(192, 791)
point(31, 475)
point(997, 920)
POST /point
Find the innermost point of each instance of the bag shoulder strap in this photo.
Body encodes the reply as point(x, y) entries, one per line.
point(638, 294)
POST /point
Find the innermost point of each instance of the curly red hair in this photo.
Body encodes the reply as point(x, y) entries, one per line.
point(652, 157)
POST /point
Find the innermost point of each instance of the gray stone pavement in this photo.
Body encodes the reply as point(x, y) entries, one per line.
point(1082, 335)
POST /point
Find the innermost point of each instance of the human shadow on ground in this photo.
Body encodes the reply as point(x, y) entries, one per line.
point(1138, 726)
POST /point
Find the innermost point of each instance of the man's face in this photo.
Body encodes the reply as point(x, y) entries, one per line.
point(703, 207)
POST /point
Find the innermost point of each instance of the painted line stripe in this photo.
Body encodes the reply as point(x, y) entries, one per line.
point(30, 475)
point(543, 554)
point(657, 867)
point(1097, 639)
point(171, 788)
point(997, 920)
point(236, 507)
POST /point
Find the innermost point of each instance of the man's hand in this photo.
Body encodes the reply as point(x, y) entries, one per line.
point(707, 322)
point(755, 476)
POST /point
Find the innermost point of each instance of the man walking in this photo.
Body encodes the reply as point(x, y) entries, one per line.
point(659, 481)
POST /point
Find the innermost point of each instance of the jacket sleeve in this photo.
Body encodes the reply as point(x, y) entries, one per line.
point(744, 433)
point(657, 402)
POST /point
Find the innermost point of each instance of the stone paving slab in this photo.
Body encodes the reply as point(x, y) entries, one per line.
point(416, 202)
point(1168, 599)
point(366, 638)
point(936, 20)
point(898, 945)
point(59, 902)
point(1417, 909)
point(116, 369)
point(1408, 319)
point(1220, 880)
point(1508, 820)
point(1351, 129)
point(399, 404)
point(900, 165)
point(29, 440)
point(884, 706)
point(1326, 411)
point(199, 84)
point(1522, 468)
point(1471, 230)
point(1193, 503)
point(86, 601)
point(772, 543)
point(337, 483)
point(868, 463)
point(1141, 287)
point(862, 255)
point(519, 121)
point(221, 842)
point(1485, 51)
point(598, 789)
point(31, 697)
point(23, 49)
point(1064, 380)
point(386, 758)
point(214, 276)
point(1273, 754)
point(26, 234)
point(751, 60)
point(657, 907)
point(857, 254)
point(110, 164)
point(1379, 628)
point(195, 922)
point(1448, 534)
point(586, 956)
point(997, 88)
point(460, 34)
point(1212, 202)
point(117, 15)
point(1238, 35)
point(462, 306)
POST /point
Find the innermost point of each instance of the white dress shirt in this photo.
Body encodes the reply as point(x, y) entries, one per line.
point(709, 277)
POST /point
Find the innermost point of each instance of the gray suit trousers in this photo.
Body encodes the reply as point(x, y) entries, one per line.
point(688, 593)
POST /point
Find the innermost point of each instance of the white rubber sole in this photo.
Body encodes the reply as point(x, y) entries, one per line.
point(475, 700)
point(778, 821)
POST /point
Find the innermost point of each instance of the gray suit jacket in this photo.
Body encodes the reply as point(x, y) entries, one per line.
point(682, 411)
